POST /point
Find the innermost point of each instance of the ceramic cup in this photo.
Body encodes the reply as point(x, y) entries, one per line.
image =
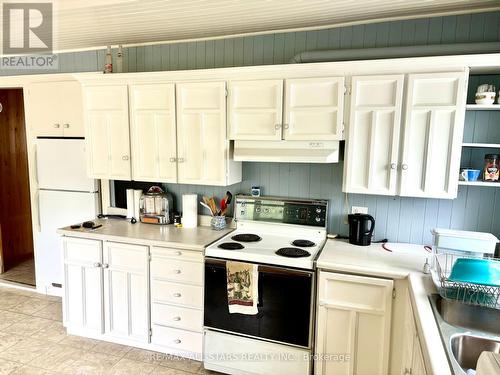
point(218, 222)
point(470, 174)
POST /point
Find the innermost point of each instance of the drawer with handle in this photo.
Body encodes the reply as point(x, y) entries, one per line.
point(167, 252)
point(177, 338)
point(179, 294)
point(177, 317)
point(177, 270)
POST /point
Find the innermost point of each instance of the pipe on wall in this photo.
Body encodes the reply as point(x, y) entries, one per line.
point(395, 52)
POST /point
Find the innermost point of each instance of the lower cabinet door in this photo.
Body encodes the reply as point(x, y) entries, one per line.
point(353, 325)
point(82, 285)
point(126, 286)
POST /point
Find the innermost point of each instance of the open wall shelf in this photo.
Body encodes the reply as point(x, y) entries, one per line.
point(479, 183)
point(483, 107)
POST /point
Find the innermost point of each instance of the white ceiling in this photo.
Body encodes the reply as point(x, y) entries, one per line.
point(83, 24)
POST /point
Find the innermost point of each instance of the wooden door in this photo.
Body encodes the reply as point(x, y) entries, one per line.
point(152, 129)
point(15, 206)
point(255, 110)
point(353, 319)
point(107, 133)
point(314, 109)
point(201, 133)
point(372, 141)
point(83, 285)
point(126, 288)
point(433, 132)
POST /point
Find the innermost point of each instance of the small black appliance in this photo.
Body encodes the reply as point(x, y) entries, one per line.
point(361, 228)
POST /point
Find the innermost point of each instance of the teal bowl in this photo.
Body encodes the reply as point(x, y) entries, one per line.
point(477, 271)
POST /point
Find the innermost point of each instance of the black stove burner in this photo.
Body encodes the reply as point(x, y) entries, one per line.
point(246, 237)
point(303, 243)
point(231, 246)
point(292, 252)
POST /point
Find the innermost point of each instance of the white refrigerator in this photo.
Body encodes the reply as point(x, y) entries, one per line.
point(65, 196)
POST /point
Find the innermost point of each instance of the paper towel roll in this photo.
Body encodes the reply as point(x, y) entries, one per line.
point(130, 203)
point(189, 211)
point(137, 199)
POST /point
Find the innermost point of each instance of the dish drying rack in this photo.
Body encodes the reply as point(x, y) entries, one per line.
point(465, 292)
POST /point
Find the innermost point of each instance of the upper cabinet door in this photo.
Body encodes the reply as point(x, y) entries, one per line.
point(255, 109)
point(55, 109)
point(201, 133)
point(152, 127)
point(107, 132)
point(433, 131)
point(314, 108)
point(373, 135)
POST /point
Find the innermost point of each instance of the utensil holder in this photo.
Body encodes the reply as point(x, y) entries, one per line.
point(218, 222)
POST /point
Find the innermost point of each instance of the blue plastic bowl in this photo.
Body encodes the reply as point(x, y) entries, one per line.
point(478, 271)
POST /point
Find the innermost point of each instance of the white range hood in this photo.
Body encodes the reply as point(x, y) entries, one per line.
point(287, 151)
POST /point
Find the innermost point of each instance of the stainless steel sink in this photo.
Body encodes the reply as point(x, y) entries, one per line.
point(466, 331)
point(466, 349)
point(468, 316)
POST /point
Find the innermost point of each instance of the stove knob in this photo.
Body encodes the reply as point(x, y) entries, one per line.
point(318, 219)
point(318, 210)
point(257, 209)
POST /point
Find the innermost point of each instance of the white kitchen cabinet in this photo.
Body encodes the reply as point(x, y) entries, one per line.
point(372, 142)
point(107, 132)
point(433, 132)
point(54, 109)
point(255, 109)
point(126, 289)
point(413, 360)
point(314, 109)
point(83, 285)
point(353, 319)
point(153, 132)
point(204, 155)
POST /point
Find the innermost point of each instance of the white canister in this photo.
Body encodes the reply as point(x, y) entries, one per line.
point(130, 203)
point(189, 211)
point(137, 201)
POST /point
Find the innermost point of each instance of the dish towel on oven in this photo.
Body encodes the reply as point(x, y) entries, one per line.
point(242, 287)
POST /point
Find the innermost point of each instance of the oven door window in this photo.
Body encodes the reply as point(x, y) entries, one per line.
point(285, 298)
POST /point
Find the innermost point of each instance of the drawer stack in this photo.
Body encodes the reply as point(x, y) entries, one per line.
point(177, 299)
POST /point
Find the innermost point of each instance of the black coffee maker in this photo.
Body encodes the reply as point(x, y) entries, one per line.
point(360, 231)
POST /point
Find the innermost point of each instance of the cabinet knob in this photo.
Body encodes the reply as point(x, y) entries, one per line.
point(178, 253)
point(125, 157)
point(177, 271)
point(286, 126)
point(97, 264)
point(180, 160)
point(177, 295)
point(173, 160)
point(57, 126)
point(105, 265)
point(66, 126)
point(176, 318)
point(177, 341)
point(404, 167)
point(393, 165)
point(277, 126)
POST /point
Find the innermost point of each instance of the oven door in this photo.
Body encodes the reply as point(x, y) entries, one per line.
point(284, 308)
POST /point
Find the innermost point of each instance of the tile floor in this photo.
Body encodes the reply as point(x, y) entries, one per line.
point(34, 342)
point(23, 273)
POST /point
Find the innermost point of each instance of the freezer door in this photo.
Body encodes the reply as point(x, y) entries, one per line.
point(61, 165)
point(58, 209)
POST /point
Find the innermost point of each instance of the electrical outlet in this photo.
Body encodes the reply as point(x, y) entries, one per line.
point(359, 210)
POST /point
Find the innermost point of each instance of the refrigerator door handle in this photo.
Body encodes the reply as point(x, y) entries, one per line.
point(36, 165)
point(38, 211)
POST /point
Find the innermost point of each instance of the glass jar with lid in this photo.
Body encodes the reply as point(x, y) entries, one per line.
point(491, 167)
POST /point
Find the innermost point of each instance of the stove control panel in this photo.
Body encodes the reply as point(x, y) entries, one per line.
point(288, 211)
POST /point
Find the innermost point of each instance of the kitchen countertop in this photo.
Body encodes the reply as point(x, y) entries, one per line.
point(404, 262)
point(156, 235)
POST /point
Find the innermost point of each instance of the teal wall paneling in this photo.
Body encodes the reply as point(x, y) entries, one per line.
point(397, 218)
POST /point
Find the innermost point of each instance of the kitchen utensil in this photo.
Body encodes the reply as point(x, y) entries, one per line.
point(359, 232)
point(212, 205)
point(206, 206)
point(229, 197)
